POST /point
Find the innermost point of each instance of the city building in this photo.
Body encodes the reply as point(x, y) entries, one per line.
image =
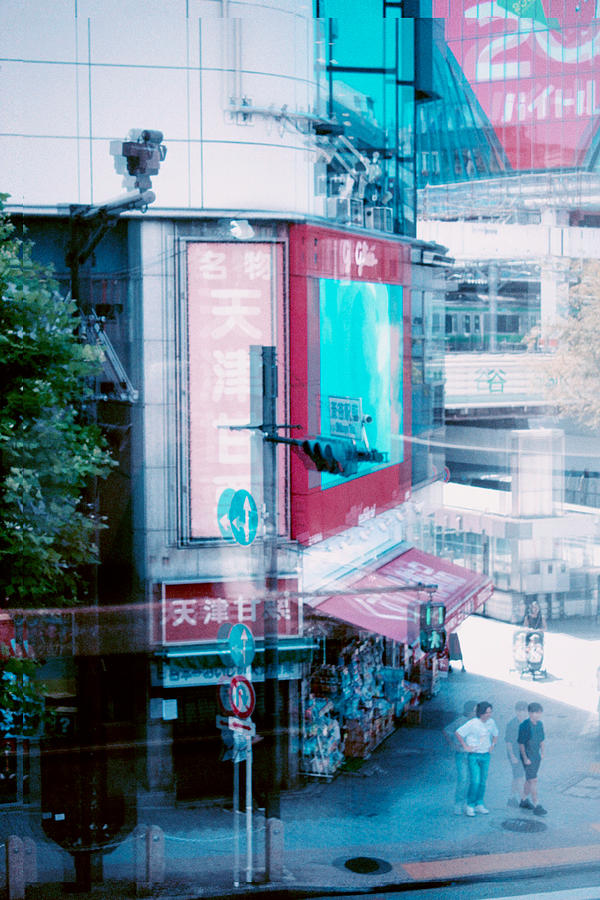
point(521, 223)
point(268, 200)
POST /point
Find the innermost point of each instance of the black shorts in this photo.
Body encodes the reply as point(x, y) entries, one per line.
point(532, 769)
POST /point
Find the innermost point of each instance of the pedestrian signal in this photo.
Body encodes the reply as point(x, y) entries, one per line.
point(432, 634)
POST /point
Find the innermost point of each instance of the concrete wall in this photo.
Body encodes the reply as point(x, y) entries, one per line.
point(77, 75)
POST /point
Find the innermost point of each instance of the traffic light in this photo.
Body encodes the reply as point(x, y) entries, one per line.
point(432, 634)
point(339, 456)
point(139, 157)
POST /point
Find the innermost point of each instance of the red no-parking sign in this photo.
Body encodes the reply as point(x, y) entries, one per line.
point(242, 696)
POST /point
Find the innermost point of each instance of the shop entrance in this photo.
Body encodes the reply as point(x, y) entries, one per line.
point(200, 771)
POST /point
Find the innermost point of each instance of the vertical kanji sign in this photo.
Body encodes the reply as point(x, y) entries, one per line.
point(232, 292)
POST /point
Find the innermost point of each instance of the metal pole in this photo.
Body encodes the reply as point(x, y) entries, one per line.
point(236, 820)
point(269, 366)
point(249, 849)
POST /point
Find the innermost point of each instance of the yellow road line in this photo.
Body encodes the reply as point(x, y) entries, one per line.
point(501, 862)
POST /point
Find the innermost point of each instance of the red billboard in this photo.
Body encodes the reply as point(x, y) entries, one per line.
point(349, 356)
point(533, 65)
point(195, 612)
point(234, 298)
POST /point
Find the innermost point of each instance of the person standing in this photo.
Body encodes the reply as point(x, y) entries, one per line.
point(531, 739)
point(513, 753)
point(460, 756)
point(534, 617)
point(478, 738)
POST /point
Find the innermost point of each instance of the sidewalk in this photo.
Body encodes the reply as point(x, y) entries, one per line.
point(394, 813)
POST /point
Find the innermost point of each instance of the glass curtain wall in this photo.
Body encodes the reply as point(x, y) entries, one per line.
point(366, 77)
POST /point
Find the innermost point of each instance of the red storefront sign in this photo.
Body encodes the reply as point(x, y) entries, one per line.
point(233, 293)
point(534, 68)
point(192, 613)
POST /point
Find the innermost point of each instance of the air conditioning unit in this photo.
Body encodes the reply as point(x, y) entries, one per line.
point(379, 218)
point(338, 208)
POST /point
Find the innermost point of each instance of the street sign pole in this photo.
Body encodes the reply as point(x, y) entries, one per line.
point(236, 822)
point(249, 849)
point(273, 822)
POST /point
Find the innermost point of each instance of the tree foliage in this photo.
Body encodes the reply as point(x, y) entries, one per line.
point(23, 710)
point(49, 453)
point(575, 367)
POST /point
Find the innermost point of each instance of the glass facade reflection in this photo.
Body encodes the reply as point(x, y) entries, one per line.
point(533, 68)
point(365, 70)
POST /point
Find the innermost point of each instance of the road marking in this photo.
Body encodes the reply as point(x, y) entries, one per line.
point(501, 862)
point(572, 894)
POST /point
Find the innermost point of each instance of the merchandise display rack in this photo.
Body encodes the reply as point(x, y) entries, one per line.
point(351, 708)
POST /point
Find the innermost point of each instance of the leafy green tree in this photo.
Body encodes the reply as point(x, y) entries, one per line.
point(49, 453)
point(23, 710)
point(574, 368)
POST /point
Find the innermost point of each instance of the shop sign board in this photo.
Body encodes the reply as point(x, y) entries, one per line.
point(232, 291)
point(167, 674)
point(346, 417)
point(194, 612)
point(534, 67)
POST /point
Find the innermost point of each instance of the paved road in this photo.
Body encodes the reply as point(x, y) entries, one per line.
point(396, 811)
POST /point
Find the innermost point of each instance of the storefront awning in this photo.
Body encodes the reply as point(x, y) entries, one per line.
point(395, 614)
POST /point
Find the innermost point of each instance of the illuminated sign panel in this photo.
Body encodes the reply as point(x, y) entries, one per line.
point(349, 373)
point(533, 65)
point(195, 612)
point(359, 325)
point(233, 291)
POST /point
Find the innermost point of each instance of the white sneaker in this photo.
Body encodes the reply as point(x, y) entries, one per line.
point(469, 811)
point(480, 808)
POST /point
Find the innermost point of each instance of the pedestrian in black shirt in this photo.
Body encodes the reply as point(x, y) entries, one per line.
point(534, 617)
point(531, 746)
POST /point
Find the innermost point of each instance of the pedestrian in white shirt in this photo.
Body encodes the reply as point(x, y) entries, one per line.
point(478, 738)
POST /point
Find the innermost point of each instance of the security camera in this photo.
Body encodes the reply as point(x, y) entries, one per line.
point(151, 136)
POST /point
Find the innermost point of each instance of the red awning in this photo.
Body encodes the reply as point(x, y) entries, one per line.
point(396, 614)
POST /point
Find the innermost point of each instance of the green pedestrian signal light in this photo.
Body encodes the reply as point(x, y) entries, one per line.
point(432, 635)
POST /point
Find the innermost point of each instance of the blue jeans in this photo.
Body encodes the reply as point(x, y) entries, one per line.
point(462, 777)
point(479, 764)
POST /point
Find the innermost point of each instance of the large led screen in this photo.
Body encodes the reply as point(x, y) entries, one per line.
point(534, 67)
point(361, 365)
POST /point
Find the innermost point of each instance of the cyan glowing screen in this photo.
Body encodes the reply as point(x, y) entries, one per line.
point(361, 358)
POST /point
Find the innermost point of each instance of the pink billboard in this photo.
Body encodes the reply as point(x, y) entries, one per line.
point(194, 613)
point(533, 65)
point(233, 292)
